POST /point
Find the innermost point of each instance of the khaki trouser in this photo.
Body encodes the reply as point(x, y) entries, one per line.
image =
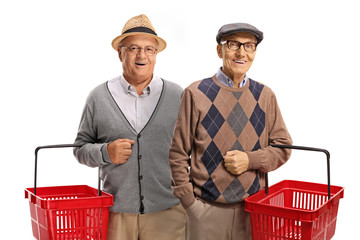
point(205, 221)
point(164, 225)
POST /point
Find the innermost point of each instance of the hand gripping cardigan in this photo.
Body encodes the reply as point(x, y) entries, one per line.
point(143, 183)
point(213, 119)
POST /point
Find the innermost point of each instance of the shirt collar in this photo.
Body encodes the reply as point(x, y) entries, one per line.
point(221, 76)
point(129, 89)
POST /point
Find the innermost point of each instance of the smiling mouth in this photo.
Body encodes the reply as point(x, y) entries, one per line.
point(140, 64)
point(239, 61)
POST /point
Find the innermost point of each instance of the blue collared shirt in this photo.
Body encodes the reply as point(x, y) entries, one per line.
point(220, 75)
point(136, 108)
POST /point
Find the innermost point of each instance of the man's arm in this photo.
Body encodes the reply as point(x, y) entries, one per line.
point(91, 153)
point(267, 158)
point(180, 151)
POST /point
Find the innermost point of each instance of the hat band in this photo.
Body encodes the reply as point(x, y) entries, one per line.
point(140, 29)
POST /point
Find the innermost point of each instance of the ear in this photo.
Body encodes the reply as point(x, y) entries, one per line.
point(119, 53)
point(219, 50)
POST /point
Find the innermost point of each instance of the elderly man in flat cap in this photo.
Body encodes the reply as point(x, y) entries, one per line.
point(224, 129)
point(126, 129)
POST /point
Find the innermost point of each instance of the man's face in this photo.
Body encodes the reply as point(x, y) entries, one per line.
point(137, 66)
point(236, 63)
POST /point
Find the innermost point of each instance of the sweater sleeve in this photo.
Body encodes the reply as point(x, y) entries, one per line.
point(269, 158)
point(91, 153)
point(181, 148)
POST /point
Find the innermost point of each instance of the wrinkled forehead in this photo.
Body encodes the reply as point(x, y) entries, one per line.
point(241, 37)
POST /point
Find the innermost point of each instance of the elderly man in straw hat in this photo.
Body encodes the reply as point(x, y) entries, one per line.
point(126, 129)
point(225, 127)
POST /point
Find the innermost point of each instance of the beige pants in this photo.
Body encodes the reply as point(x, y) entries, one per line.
point(164, 225)
point(208, 222)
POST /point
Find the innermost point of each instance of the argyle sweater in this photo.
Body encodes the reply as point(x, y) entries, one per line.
point(213, 119)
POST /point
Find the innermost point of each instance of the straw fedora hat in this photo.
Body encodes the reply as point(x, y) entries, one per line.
point(138, 25)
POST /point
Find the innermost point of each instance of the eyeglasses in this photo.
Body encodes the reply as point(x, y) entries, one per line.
point(136, 49)
point(235, 45)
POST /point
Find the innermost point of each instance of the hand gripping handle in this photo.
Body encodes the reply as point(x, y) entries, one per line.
point(306, 149)
point(59, 146)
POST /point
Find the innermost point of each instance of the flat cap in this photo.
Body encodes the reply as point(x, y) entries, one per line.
point(239, 27)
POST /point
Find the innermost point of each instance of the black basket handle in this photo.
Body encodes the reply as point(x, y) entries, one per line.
point(306, 149)
point(60, 146)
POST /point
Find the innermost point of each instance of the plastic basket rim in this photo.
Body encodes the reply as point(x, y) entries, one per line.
point(30, 190)
point(45, 202)
point(290, 209)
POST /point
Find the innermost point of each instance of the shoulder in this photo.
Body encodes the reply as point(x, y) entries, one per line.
point(98, 90)
point(262, 93)
point(99, 93)
point(256, 86)
point(172, 87)
point(206, 87)
point(198, 85)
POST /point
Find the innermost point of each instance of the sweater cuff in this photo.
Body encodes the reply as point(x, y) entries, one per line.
point(187, 200)
point(186, 194)
point(256, 160)
point(105, 154)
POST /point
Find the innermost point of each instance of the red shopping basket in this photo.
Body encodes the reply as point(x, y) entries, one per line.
point(68, 212)
point(294, 209)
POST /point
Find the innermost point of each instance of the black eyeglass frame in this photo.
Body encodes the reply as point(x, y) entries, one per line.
point(240, 44)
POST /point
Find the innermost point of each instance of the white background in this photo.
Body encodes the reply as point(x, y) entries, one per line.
point(53, 53)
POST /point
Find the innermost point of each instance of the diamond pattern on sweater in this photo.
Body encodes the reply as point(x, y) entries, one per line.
point(238, 94)
point(213, 121)
point(212, 157)
point(257, 146)
point(209, 88)
point(234, 192)
point(257, 119)
point(231, 121)
point(255, 187)
point(255, 88)
point(209, 191)
point(237, 119)
point(237, 146)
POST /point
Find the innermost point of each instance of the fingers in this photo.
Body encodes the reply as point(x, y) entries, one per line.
point(236, 162)
point(123, 143)
point(235, 168)
point(126, 152)
point(120, 150)
point(230, 156)
point(230, 153)
point(232, 167)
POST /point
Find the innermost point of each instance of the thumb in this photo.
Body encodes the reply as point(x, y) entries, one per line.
point(130, 141)
point(126, 140)
point(229, 153)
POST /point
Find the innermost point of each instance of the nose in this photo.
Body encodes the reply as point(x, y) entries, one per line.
point(141, 53)
point(241, 51)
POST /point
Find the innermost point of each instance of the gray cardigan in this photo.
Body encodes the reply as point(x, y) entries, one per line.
point(143, 183)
